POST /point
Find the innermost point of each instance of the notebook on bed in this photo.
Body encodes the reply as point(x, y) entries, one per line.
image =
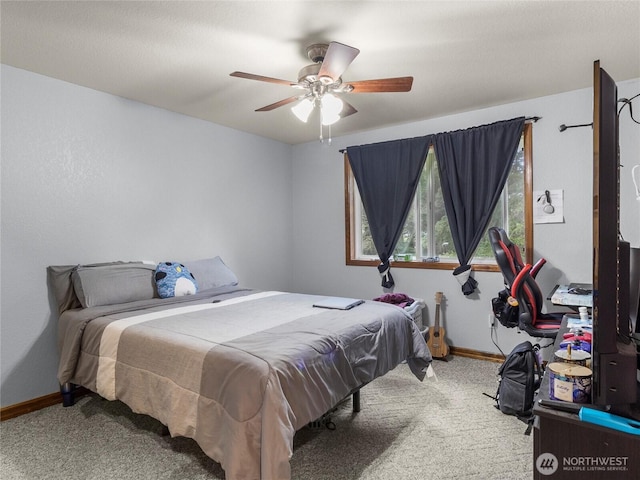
point(338, 303)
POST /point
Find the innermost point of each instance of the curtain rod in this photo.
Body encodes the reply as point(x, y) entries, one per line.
point(526, 120)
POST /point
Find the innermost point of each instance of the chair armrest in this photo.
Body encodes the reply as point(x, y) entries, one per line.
point(536, 268)
point(519, 280)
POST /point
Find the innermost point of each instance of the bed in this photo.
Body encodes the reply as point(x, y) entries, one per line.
point(237, 370)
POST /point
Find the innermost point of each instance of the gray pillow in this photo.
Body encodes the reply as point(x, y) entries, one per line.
point(61, 283)
point(113, 284)
point(211, 273)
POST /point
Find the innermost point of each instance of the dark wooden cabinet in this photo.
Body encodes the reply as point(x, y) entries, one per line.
point(565, 448)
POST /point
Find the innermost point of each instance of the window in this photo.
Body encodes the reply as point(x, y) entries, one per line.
point(426, 240)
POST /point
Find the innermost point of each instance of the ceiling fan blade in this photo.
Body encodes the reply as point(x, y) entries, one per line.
point(281, 103)
point(398, 84)
point(347, 109)
point(260, 78)
point(337, 60)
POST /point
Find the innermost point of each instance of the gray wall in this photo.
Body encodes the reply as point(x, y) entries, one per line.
point(561, 161)
point(89, 177)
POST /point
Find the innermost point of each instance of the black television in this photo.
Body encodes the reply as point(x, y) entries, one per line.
point(614, 355)
point(634, 282)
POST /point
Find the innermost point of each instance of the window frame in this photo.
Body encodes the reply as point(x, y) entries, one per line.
point(350, 239)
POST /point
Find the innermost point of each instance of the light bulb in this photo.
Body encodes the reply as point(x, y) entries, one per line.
point(331, 108)
point(303, 109)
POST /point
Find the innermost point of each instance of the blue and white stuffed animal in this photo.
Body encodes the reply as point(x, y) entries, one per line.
point(174, 280)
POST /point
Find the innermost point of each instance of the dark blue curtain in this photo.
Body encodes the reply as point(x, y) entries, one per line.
point(474, 165)
point(387, 175)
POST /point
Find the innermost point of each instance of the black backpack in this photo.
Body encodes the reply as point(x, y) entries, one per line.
point(519, 378)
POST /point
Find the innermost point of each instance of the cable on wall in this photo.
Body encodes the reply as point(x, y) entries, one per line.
point(625, 102)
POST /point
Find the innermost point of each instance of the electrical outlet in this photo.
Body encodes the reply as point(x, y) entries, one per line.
point(492, 320)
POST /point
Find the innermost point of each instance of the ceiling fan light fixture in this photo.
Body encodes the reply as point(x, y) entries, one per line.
point(323, 79)
point(303, 109)
point(331, 109)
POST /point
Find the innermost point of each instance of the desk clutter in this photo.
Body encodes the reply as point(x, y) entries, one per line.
point(570, 372)
point(573, 295)
point(569, 382)
point(595, 416)
point(609, 420)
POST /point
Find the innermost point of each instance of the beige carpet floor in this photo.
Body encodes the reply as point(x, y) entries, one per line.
point(437, 429)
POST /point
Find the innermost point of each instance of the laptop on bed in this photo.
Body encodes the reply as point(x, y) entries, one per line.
point(338, 303)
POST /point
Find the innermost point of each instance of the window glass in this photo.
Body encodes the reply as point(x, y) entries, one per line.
point(426, 239)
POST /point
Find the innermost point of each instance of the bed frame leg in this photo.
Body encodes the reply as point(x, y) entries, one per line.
point(356, 400)
point(67, 391)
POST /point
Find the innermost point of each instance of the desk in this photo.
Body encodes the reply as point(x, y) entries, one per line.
point(565, 448)
point(561, 295)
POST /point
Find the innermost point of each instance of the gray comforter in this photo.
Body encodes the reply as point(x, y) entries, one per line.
point(239, 371)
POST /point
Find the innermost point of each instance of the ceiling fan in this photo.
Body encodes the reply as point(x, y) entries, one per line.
point(322, 80)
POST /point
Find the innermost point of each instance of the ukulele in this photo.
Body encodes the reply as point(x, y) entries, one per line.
point(436, 342)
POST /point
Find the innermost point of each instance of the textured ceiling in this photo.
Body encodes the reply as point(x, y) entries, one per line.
point(463, 55)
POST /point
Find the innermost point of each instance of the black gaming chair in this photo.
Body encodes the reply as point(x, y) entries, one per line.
point(508, 256)
point(519, 279)
point(531, 319)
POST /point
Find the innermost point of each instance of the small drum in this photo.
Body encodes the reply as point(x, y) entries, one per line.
point(569, 382)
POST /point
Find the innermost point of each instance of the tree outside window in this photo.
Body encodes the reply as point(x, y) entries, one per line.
point(426, 240)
